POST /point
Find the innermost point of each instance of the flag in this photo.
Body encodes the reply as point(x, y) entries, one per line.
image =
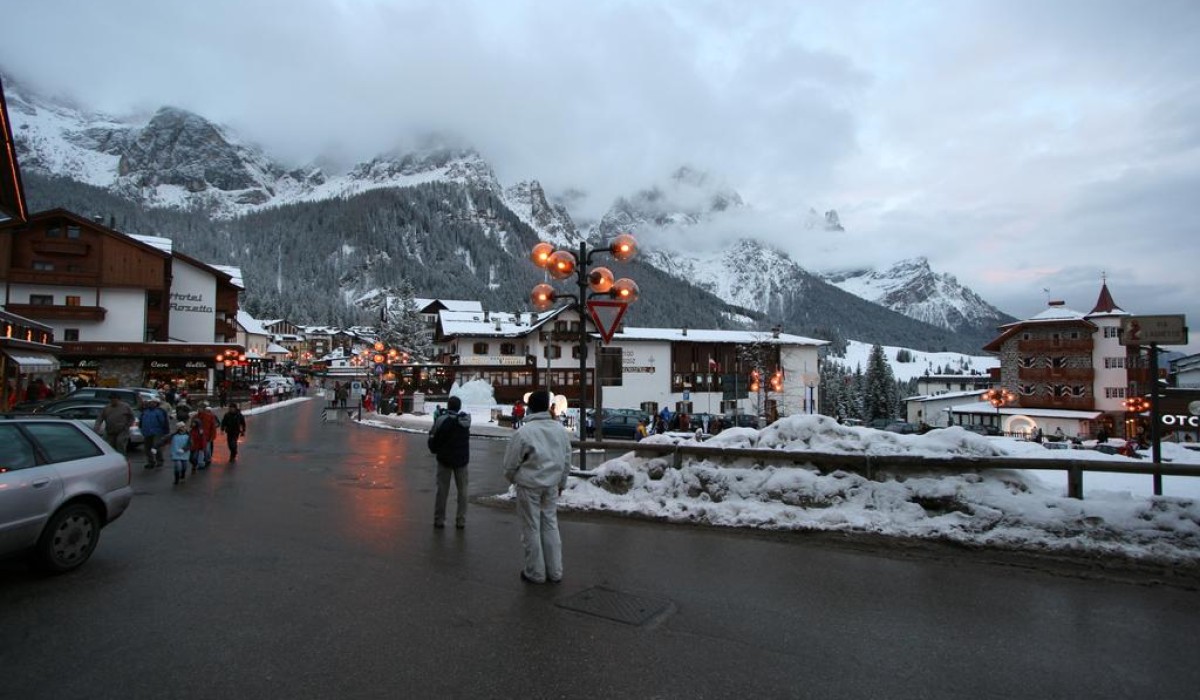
point(712, 365)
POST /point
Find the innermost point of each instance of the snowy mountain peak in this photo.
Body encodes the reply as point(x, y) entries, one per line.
point(912, 288)
point(551, 221)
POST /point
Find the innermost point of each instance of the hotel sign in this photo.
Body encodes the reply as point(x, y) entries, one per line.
point(1161, 330)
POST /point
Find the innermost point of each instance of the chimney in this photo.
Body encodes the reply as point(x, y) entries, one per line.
point(487, 315)
point(497, 323)
point(685, 331)
point(775, 331)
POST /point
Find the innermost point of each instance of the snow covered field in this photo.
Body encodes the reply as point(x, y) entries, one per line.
point(1016, 509)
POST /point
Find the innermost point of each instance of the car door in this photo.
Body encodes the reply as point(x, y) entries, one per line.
point(29, 491)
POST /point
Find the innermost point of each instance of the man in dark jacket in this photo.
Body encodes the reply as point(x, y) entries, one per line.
point(450, 440)
point(156, 427)
point(233, 424)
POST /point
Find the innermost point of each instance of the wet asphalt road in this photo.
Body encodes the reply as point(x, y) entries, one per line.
point(311, 570)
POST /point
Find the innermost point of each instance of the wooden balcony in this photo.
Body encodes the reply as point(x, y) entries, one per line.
point(1056, 375)
point(58, 312)
point(225, 329)
point(60, 247)
point(1070, 404)
point(1051, 346)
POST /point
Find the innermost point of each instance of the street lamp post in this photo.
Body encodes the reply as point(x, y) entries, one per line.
point(561, 265)
point(998, 398)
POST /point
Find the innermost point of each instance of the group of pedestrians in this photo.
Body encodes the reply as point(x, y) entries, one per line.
point(190, 441)
point(536, 463)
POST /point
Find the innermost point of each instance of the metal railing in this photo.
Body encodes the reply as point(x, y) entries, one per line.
point(872, 466)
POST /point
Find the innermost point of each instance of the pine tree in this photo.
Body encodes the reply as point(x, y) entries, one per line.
point(880, 395)
point(402, 326)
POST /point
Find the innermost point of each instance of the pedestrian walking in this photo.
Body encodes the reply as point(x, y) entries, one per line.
point(233, 424)
point(450, 440)
point(196, 442)
point(536, 462)
point(180, 451)
point(209, 425)
point(156, 428)
point(518, 414)
point(114, 423)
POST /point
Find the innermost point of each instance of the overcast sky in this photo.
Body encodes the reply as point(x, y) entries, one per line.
point(1021, 146)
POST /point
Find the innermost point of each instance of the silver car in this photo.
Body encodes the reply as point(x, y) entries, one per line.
point(60, 483)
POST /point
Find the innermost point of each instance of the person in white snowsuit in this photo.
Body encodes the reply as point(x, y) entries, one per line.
point(537, 462)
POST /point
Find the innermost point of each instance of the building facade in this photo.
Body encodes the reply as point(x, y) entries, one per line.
point(126, 312)
point(1066, 370)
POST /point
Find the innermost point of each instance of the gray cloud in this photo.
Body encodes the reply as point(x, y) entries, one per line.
point(1017, 144)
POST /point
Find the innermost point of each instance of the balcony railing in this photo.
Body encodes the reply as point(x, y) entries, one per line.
point(59, 312)
point(1049, 345)
point(1068, 403)
point(1051, 375)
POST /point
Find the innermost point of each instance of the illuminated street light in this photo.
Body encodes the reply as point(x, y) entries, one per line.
point(560, 265)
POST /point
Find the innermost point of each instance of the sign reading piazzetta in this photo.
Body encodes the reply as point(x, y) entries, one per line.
point(1164, 330)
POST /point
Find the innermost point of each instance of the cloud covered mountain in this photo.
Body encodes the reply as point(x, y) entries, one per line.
point(178, 161)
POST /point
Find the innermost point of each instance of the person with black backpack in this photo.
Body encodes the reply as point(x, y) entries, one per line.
point(450, 440)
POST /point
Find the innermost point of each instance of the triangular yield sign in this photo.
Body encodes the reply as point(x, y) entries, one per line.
point(607, 316)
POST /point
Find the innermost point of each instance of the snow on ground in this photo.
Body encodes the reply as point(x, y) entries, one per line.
point(1015, 509)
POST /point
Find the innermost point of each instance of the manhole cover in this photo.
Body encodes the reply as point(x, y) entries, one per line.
point(615, 605)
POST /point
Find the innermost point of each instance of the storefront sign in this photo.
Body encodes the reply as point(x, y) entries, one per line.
point(1176, 420)
point(79, 364)
point(1144, 330)
point(182, 364)
point(635, 370)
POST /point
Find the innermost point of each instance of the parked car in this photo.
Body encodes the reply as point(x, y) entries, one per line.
point(134, 396)
point(60, 484)
point(902, 427)
point(621, 426)
point(989, 430)
point(88, 410)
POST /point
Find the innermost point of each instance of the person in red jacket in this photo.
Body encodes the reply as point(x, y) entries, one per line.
point(207, 423)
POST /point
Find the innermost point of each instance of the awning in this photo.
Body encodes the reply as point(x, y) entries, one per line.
point(33, 362)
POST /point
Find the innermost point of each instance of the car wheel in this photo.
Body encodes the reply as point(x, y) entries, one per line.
point(69, 538)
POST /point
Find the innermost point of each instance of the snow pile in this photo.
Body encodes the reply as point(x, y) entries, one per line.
point(814, 433)
point(999, 508)
point(477, 392)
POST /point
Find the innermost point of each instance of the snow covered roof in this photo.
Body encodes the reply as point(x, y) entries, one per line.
point(492, 324)
point(251, 324)
point(945, 396)
point(697, 335)
point(985, 408)
point(163, 244)
point(449, 304)
point(275, 349)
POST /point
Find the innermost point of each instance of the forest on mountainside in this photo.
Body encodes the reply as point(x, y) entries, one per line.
point(309, 262)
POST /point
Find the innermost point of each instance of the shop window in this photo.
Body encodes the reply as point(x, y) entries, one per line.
point(480, 348)
point(71, 335)
point(43, 266)
point(41, 299)
point(74, 300)
point(508, 348)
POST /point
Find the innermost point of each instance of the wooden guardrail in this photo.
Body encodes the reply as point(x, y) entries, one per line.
point(871, 466)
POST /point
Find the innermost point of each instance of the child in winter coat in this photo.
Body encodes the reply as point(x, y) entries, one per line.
point(181, 449)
